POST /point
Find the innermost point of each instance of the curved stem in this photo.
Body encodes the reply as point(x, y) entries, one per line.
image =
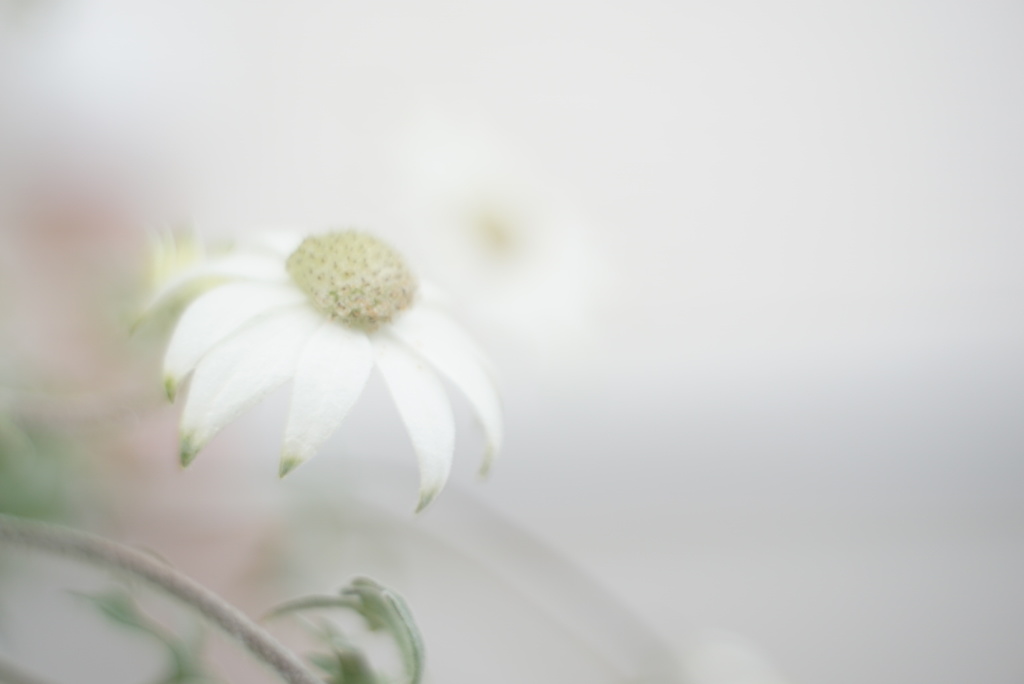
point(110, 555)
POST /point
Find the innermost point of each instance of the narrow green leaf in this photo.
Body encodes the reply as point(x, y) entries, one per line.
point(310, 603)
point(384, 609)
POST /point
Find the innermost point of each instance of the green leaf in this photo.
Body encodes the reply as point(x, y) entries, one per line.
point(345, 666)
point(384, 609)
point(35, 474)
point(120, 608)
point(184, 655)
point(310, 603)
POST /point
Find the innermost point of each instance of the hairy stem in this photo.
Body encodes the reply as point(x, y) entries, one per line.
point(107, 554)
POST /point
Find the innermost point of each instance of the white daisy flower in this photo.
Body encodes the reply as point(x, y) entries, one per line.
point(322, 311)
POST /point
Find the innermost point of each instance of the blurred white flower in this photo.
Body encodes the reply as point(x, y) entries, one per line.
point(498, 238)
point(322, 311)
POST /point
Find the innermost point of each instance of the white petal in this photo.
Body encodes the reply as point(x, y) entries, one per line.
point(424, 407)
point(214, 316)
point(332, 370)
point(240, 371)
point(455, 356)
point(269, 269)
point(443, 327)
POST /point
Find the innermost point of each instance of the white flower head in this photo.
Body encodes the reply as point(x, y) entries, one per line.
point(508, 246)
point(322, 311)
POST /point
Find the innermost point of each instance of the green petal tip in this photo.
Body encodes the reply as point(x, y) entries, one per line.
point(171, 388)
point(425, 499)
point(288, 464)
point(487, 463)
point(188, 451)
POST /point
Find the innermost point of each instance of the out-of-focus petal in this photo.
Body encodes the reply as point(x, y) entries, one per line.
point(213, 317)
point(455, 356)
point(240, 371)
point(425, 410)
point(267, 269)
point(331, 373)
point(172, 253)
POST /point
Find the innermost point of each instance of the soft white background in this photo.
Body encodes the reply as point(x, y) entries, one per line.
point(798, 414)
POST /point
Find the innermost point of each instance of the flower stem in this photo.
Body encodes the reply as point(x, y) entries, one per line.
point(110, 555)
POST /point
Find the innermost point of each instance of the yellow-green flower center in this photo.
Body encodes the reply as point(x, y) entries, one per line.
point(353, 278)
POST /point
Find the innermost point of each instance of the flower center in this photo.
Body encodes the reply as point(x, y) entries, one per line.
point(495, 230)
point(353, 278)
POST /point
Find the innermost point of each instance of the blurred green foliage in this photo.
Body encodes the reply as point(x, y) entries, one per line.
point(382, 610)
point(35, 471)
point(184, 655)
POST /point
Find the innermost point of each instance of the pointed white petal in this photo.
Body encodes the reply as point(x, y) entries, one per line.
point(332, 370)
point(269, 269)
point(240, 371)
point(455, 356)
point(214, 316)
point(424, 407)
point(443, 327)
